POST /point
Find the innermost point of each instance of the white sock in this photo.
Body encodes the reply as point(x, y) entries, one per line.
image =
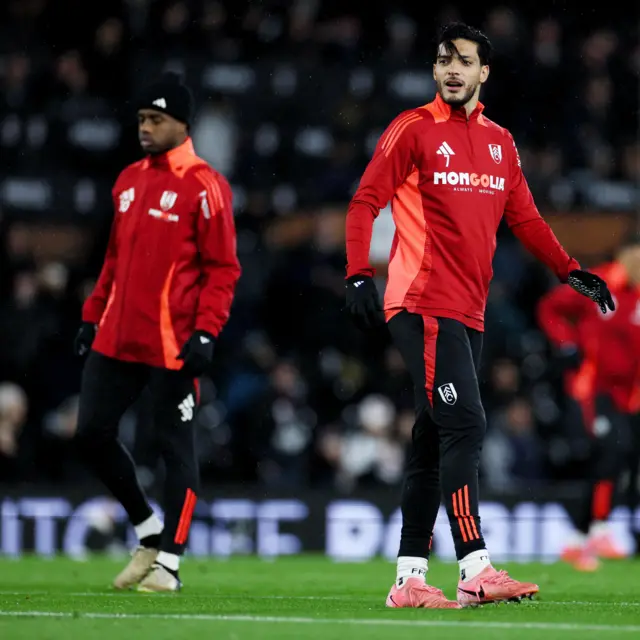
point(169, 560)
point(411, 567)
point(150, 527)
point(577, 539)
point(473, 564)
point(598, 528)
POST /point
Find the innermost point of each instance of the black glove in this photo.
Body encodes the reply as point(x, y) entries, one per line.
point(569, 357)
point(84, 338)
point(363, 302)
point(197, 353)
point(590, 285)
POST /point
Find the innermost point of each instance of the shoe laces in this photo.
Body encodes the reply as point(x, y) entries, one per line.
point(606, 541)
point(500, 577)
point(140, 548)
point(432, 592)
point(430, 589)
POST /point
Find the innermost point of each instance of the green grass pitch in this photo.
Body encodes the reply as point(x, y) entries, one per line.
point(304, 597)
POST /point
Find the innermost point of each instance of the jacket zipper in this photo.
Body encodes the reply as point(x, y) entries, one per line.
point(473, 153)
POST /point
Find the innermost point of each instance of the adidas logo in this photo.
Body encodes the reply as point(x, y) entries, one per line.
point(204, 340)
point(357, 284)
point(162, 103)
point(446, 151)
point(186, 408)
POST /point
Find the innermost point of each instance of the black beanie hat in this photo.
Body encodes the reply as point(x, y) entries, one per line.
point(168, 95)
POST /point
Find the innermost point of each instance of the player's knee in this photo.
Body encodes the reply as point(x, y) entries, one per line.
point(91, 435)
point(177, 443)
point(467, 434)
point(463, 417)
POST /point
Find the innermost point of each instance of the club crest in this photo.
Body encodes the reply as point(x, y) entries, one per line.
point(496, 152)
point(167, 200)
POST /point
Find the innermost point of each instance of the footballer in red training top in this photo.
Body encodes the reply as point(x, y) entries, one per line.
point(601, 358)
point(450, 174)
point(162, 298)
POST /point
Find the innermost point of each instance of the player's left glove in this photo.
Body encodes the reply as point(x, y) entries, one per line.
point(363, 303)
point(84, 338)
point(197, 353)
point(592, 286)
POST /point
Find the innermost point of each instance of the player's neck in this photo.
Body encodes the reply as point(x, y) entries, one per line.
point(178, 143)
point(470, 106)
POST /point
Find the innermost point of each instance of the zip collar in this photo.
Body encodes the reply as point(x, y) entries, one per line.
point(174, 158)
point(442, 112)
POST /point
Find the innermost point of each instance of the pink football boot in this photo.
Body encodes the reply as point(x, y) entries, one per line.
point(416, 594)
point(604, 545)
point(580, 558)
point(493, 586)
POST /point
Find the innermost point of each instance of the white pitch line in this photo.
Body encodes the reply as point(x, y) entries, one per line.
point(128, 594)
point(548, 626)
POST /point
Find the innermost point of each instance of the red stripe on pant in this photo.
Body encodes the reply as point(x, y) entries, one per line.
point(430, 342)
point(458, 516)
point(462, 513)
point(602, 499)
point(468, 511)
point(182, 532)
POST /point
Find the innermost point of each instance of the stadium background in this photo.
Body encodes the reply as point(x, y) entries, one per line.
point(292, 96)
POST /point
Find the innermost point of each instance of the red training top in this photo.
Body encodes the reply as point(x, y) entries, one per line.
point(609, 343)
point(450, 179)
point(171, 264)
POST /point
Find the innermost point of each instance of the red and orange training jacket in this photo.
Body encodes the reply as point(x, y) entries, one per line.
point(609, 343)
point(171, 265)
point(450, 179)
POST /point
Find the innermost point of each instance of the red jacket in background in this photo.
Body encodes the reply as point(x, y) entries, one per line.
point(450, 179)
point(171, 264)
point(609, 343)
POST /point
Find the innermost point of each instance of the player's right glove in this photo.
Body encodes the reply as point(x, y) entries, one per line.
point(592, 286)
point(363, 302)
point(197, 353)
point(84, 338)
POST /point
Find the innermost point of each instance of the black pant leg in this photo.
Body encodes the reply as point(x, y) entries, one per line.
point(610, 441)
point(612, 438)
point(109, 387)
point(421, 487)
point(459, 414)
point(578, 417)
point(175, 399)
point(633, 487)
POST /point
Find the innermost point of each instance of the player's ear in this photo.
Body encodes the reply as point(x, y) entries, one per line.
point(434, 71)
point(484, 73)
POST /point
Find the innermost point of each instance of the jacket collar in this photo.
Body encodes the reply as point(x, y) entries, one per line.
point(174, 157)
point(444, 111)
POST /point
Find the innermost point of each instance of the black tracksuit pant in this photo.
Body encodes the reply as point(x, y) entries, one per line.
point(109, 388)
point(442, 356)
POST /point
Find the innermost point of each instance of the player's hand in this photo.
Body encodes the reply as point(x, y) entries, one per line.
point(197, 353)
point(84, 338)
point(590, 285)
point(363, 302)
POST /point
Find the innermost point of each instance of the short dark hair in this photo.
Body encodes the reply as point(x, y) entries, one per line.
point(454, 30)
